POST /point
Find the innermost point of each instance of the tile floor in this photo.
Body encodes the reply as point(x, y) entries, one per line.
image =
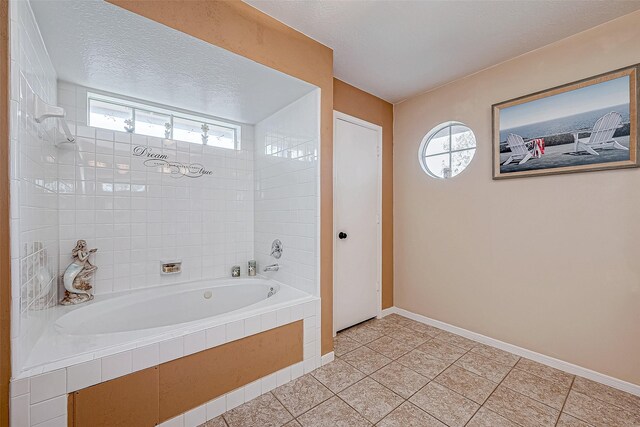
point(395, 372)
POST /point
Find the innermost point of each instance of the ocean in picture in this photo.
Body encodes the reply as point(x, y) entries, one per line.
point(547, 127)
point(581, 121)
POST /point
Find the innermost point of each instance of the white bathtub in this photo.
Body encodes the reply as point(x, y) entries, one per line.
point(168, 306)
point(113, 323)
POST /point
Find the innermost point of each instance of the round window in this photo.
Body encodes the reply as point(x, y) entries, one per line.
point(447, 150)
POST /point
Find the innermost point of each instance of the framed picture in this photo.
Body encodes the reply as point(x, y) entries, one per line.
point(587, 125)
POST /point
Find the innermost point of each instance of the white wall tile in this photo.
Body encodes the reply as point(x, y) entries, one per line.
point(47, 386)
point(286, 192)
point(269, 320)
point(216, 407)
point(60, 421)
point(49, 409)
point(145, 357)
point(34, 176)
point(252, 390)
point(116, 365)
point(216, 336)
point(269, 382)
point(283, 316)
point(19, 410)
point(19, 387)
point(235, 398)
point(283, 376)
point(252, 325)
point(297, 370)
point(171, 349)
point(235, 330)
point(84, 375)
point(173, 422)
point(196, 416)
point(194, 342)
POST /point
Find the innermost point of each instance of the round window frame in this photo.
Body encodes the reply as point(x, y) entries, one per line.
point(427, 138)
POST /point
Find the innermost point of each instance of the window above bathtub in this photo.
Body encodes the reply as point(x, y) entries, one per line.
point(124, 115)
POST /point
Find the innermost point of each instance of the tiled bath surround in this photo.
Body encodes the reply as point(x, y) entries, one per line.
point(138, 215)
point(287, 196)
point(41, 400)
point(33, 172)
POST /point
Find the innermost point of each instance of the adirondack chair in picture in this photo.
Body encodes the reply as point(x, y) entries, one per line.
point(601, 135)
point(519, 150)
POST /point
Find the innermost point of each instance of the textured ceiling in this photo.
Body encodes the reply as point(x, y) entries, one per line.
point(96, 44)
point(397, 49)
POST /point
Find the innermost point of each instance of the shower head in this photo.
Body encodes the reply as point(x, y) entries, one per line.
point(42, 110)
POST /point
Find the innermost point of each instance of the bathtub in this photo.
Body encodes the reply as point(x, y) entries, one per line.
point(113, 323)
point(171, 306)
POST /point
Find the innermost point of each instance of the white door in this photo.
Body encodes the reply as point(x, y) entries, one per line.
point(356, 193)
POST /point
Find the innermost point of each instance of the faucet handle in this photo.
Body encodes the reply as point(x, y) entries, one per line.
point(276, 249)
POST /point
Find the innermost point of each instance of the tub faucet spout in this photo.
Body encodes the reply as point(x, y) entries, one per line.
point(272, 267)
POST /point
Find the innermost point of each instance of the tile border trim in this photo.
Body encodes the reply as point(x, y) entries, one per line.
point(523, 352)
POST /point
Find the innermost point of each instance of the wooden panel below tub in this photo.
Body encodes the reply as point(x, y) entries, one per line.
point(190, 381)
point(127, 401)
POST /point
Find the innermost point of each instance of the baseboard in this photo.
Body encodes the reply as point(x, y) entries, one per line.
point(327, 358)
point(387, 311)
point(523, 352)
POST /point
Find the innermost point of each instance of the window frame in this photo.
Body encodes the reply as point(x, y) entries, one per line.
point(172, 113)
point(422, 156)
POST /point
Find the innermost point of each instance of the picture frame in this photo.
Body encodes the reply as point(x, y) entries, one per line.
point(586, 125)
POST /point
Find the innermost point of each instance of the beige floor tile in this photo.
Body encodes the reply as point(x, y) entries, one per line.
point(486, 368)
point(409, 415)
point(521, 409)
point(400, 320)
point(337, 375)
point(371, 399)
point(423, 363)
point(366, 360)
point(457, 340)
point(409, 336)
point(496, 354)
point(599, 413)
point(540, 389)
point(446, 405)
point(333, 413)
point(442, 350)
point(607, 394)
point(263, 411)
point(292, 423)
point(384, 325)
point(400, 379)
point(487, 418)
point(569, 421)
point(425, 329)
point(544, 371)
point(302, 394)
point(466, 383)
point(362, 333)
point(390, 347)
point(216, 422)
point(342, 345)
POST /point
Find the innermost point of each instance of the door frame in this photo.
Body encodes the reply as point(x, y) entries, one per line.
point(356, 121)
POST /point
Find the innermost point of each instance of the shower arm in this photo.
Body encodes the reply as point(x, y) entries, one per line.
point(43, 111)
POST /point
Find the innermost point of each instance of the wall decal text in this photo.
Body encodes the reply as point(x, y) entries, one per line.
point(176, 169)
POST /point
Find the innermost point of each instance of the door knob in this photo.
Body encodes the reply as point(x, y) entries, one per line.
point(342, 235)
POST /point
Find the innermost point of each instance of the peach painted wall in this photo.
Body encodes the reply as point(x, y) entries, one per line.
point(244, 30)
point(357, 103)
point(546, 263)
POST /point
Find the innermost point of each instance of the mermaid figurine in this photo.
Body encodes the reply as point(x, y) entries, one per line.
point(77, 276)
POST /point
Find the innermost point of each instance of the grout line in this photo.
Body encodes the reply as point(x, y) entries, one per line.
point(565, 400)
point(279, 401)
point(494, 390)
